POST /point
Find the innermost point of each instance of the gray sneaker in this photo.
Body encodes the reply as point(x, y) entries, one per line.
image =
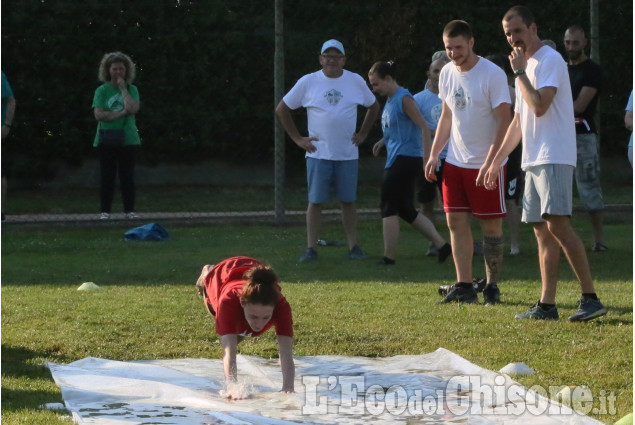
point(356, 253)
point(587, 310)
point(461, 295)
point(432, 250)
point(536, 312)
point(309, 255)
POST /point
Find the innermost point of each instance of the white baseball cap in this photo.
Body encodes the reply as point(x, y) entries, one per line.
point(332, 44)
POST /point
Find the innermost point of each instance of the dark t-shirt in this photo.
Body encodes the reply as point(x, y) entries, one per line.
point(586, 74)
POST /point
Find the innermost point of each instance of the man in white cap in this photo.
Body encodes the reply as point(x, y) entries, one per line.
point(331, 97)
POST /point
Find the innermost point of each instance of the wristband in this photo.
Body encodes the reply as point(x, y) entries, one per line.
point(519, 72)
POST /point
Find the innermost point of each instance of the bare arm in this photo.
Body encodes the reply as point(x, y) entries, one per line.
point(229, 343)
point(285, 344)
point(441, 138)
point(503, 119)
point(377, 146)
point(102, 115)
point(584, 98)
point(511, 140)
point(129, 103)
point(410, 108)
point(538, 101)
point(283, 112)
point(367, 124)
point(628, 120)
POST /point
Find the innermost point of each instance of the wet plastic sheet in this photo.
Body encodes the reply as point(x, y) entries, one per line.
point(430, 388)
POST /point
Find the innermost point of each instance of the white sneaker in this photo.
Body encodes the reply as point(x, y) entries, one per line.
point(104, 216)
point(132, 215)
point(514, 250)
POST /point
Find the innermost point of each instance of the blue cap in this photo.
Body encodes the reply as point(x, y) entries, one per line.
point(332, 44)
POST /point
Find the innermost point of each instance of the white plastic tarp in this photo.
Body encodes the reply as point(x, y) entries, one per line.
point(439, 387)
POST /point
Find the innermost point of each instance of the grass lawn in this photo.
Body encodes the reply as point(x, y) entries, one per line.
point(148, 307)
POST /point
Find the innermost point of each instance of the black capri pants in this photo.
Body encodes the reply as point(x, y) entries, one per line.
point(398, 188)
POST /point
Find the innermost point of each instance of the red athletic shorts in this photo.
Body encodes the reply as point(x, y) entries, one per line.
point(460, 193)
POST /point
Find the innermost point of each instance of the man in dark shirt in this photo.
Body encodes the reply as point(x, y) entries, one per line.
point(586, 81)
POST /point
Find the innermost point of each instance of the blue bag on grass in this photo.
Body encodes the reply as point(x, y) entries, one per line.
point(148, 232)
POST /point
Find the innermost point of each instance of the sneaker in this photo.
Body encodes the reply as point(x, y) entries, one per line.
point(491, 294)
point(309, 255)
point(432, 250)
point(587, 310)
point(478, 285)
point(599, 247)
point(356, 253)
point(514, 250)
point(444, 252)
point(461, 295)
point(132, 215)
point(104, 216)
point(536, 312)
point(385, 261)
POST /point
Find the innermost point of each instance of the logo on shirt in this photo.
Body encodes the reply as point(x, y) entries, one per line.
point(333, 97)
point(460, 99)
point(115, 102)
point(435, 112)
point(385, 119)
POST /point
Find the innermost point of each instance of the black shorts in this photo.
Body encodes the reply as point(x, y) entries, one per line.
point(427, 191)
point(398, 188)
point(514, 176)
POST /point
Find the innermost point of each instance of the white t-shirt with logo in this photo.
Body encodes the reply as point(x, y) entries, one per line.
point(331, 105)
point(472, 97)
point(549, 139)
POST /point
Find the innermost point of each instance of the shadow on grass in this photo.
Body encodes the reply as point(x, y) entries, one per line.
point(15, 364)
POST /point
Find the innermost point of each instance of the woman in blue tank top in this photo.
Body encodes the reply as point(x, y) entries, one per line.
point(407, 141)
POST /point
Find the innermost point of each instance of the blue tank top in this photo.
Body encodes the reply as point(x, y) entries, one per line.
point(401, 135)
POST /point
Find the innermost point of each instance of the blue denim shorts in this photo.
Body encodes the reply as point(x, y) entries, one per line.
point(322, 174)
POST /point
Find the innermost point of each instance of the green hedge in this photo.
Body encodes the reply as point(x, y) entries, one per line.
point(205, 68)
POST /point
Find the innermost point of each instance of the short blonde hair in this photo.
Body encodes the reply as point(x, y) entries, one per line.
point(113, 57)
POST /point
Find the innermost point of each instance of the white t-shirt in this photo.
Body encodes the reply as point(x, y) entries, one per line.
point(331, 105)
point(472, 97)
point(549, 139)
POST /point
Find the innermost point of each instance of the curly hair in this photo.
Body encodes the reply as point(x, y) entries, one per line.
point(260, 286)
point(113, 57)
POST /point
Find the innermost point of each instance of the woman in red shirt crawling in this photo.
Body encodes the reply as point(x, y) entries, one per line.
point(245, 299)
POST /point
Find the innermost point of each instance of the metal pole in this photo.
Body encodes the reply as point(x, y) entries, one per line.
point(594, 54)
point(278, 92)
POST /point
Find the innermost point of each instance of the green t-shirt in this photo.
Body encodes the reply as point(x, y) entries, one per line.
point(109, 98)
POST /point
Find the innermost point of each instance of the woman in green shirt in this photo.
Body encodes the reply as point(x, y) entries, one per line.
point(115, 104)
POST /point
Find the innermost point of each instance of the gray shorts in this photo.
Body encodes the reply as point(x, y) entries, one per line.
point(548, 191)
point(587, 172)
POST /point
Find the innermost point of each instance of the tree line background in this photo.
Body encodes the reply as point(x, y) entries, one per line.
point(205, 68)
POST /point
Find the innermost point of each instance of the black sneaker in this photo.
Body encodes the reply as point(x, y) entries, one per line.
point(356, 253)
point(444, 252)
point(385, 261)
point(478, 285)
point(309, 255)
point(461, 295)
point(491, 294)
point(537, 312)
point(587, 310)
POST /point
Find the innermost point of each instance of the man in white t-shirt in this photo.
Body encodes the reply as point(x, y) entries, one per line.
point(544, 119)
point(475, 114)
point(331, 97)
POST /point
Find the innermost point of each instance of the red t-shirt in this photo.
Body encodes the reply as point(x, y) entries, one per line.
point(223, 285)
